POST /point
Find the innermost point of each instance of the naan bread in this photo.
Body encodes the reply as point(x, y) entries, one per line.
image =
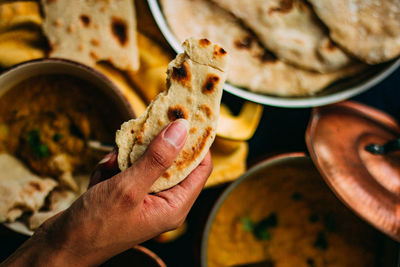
point(59, 201)
point(194, 90)
point(20, 190)
point(369, 29)
point(91, 30)
point(254, 67)
point(291, 30)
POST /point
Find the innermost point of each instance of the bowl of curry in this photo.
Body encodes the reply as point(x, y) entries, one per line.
point(281, 213)
point(50, 110)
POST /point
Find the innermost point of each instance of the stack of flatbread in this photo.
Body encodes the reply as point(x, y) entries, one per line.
point(281, 47)
point(194, 90)
point(22, 192)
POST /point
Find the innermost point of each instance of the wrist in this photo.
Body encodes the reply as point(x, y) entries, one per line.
point(40, 251)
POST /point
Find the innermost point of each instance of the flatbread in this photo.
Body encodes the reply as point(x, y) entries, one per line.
point(254, 67)
point(370, 30)
point(88, 31)
point(20, 190)
point(291, 30)
point(19, 45)
point(59, 201)
point(194, 90)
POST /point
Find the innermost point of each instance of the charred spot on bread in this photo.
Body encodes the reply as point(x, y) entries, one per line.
point(85, 19)
point(188, 157)
point(177, 112)
point(94, 55)
point(193, 130)
point(166, 175)
point(268, 57)
point(95, 42)
point(139, 139)
point(219, 51)
point(204, 42)
point(36, 186)
point(210, 84)
point(330, 46)
point(206, 109)
point(182, 74)
point(119, 30)
point(58, 22)
point(71, 28)
point(244, 43)
point(284, 7)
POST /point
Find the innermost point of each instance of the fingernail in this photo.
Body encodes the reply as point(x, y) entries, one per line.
point(106, 158)
point(176, 132)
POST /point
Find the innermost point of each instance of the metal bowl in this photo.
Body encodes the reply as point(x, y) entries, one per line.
point(338, 91)
point(303, 165)
point(21, 72)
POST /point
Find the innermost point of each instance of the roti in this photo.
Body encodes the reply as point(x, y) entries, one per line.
point(20, 190)
point(88, 31)
point(291, 30)
point(370, 30)
point(194, 90)
point(254, 67)
point(59, 200)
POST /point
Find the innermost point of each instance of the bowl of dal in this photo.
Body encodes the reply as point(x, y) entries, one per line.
point(281, 213)
point(50, 111)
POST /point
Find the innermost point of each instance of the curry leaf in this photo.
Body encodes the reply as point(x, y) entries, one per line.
point(248, 224)
point(39, 150)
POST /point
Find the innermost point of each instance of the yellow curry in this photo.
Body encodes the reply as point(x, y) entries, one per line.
point(47, 121)
point(287, 217)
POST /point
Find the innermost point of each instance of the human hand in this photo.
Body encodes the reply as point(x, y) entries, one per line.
point(117, 213)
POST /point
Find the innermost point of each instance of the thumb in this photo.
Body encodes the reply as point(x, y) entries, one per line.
point(158, 157)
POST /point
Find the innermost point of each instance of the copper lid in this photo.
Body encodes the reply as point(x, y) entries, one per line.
point(336, 137)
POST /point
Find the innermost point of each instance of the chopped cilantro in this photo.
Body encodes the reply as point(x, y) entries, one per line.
point(248, 224)
point(57, 137)
point(296, 196)
point(260, 229)
point(262, 234)
point(39, 150)
point(321, 241)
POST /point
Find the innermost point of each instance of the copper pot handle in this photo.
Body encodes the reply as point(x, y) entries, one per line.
point(388, 147)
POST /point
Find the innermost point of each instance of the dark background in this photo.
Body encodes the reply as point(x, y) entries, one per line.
point(280, 130)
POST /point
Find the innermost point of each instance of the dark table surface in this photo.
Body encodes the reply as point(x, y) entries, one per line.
point(280, 130)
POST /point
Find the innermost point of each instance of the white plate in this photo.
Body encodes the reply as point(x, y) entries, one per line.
point(338, 91)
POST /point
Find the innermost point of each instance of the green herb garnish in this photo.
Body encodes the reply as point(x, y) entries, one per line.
point(248, 224)
point(296, 196)
point(39, 150)
point(260, 229)
point(57, 137)
point(321, 241)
